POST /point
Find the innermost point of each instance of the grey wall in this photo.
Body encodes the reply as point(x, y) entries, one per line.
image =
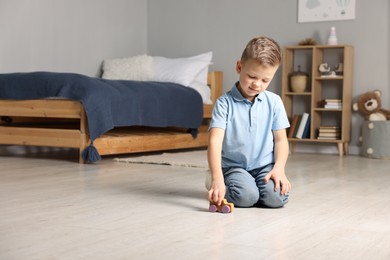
point(77, 35)
point(69, 35)
point(186, 27)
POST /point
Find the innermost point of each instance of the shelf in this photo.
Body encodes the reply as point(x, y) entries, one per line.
point(297, 47)
point(298, 93)
point(321, 109)
point(320, 88)
point(314, 140)
point(329, 78)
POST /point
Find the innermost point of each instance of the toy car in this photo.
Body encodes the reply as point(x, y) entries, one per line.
point(225, 207)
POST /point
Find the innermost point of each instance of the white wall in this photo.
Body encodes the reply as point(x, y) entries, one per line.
point(69, 35)
point(186, 27)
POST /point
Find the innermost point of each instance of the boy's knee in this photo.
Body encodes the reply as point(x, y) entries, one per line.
point(242, 197)
point(271, 198)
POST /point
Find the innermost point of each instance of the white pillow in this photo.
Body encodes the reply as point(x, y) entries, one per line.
point(202, 76)
point(183, 71)
point(134, 68)
point(203, 90)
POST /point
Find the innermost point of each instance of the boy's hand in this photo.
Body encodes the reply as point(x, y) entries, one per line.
point(217, 192)
point(280, 179)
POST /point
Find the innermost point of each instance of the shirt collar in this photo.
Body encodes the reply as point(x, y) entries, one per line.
point(238, 97)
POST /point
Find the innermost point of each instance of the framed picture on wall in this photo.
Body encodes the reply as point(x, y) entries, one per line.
point(321, 11)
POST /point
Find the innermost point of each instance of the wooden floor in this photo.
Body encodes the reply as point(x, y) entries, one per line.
point(54, 208)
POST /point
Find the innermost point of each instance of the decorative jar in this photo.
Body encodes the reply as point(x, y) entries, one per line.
point(298, 80)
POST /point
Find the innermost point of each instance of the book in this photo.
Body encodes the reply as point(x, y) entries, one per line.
point(292, 126)
point(306, 131)
point(297, 126)
point(328, 138)
point(332, 100)
point(331, 103)
point(329, 132)
point(333, 106)
point(329, 127)
point(302, 124)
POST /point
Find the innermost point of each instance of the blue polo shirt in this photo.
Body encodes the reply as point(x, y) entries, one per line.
point(248, 142)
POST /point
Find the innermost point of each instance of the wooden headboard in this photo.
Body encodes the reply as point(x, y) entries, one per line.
point(214, 80)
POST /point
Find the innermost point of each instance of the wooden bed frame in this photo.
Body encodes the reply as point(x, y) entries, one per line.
point(62, 123)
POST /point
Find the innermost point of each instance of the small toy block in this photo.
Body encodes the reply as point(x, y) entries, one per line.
point(225, 207)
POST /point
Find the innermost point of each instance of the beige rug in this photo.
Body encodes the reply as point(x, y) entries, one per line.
point(197, 159)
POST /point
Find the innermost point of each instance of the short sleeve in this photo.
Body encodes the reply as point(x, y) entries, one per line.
point(280, 115)
point(220, 114)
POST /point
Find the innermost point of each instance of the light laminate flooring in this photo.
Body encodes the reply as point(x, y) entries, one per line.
point(55, 208)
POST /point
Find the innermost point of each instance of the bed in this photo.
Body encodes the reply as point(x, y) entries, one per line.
point(63, 122)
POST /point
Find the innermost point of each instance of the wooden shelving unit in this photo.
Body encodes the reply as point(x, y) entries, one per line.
point(319, 88)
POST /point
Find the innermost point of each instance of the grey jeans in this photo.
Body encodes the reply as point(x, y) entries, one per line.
point(247, 189)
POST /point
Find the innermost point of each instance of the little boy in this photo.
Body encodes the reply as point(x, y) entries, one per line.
point(248, 147)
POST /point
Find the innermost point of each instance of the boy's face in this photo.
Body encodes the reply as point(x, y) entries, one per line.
point(254, 78)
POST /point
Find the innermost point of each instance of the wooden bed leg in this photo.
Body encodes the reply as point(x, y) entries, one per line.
point(340, 148)
point(215, 79)
point(293, 147)
point(84, 139)
point(346, 149)
point(83, 144)
point(81, 161)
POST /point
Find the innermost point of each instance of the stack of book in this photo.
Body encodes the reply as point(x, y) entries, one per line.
point(331, 103)
point(329, 133)
point(300, 126)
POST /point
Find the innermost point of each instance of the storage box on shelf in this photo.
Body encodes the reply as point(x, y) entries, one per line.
point(327, 96)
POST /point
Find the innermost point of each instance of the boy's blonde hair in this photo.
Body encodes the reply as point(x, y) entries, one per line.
point(264, 50)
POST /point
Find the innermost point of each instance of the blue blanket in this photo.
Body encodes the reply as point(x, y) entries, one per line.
point(111, 103)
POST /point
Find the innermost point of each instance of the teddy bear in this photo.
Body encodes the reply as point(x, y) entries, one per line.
point(369, 105)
